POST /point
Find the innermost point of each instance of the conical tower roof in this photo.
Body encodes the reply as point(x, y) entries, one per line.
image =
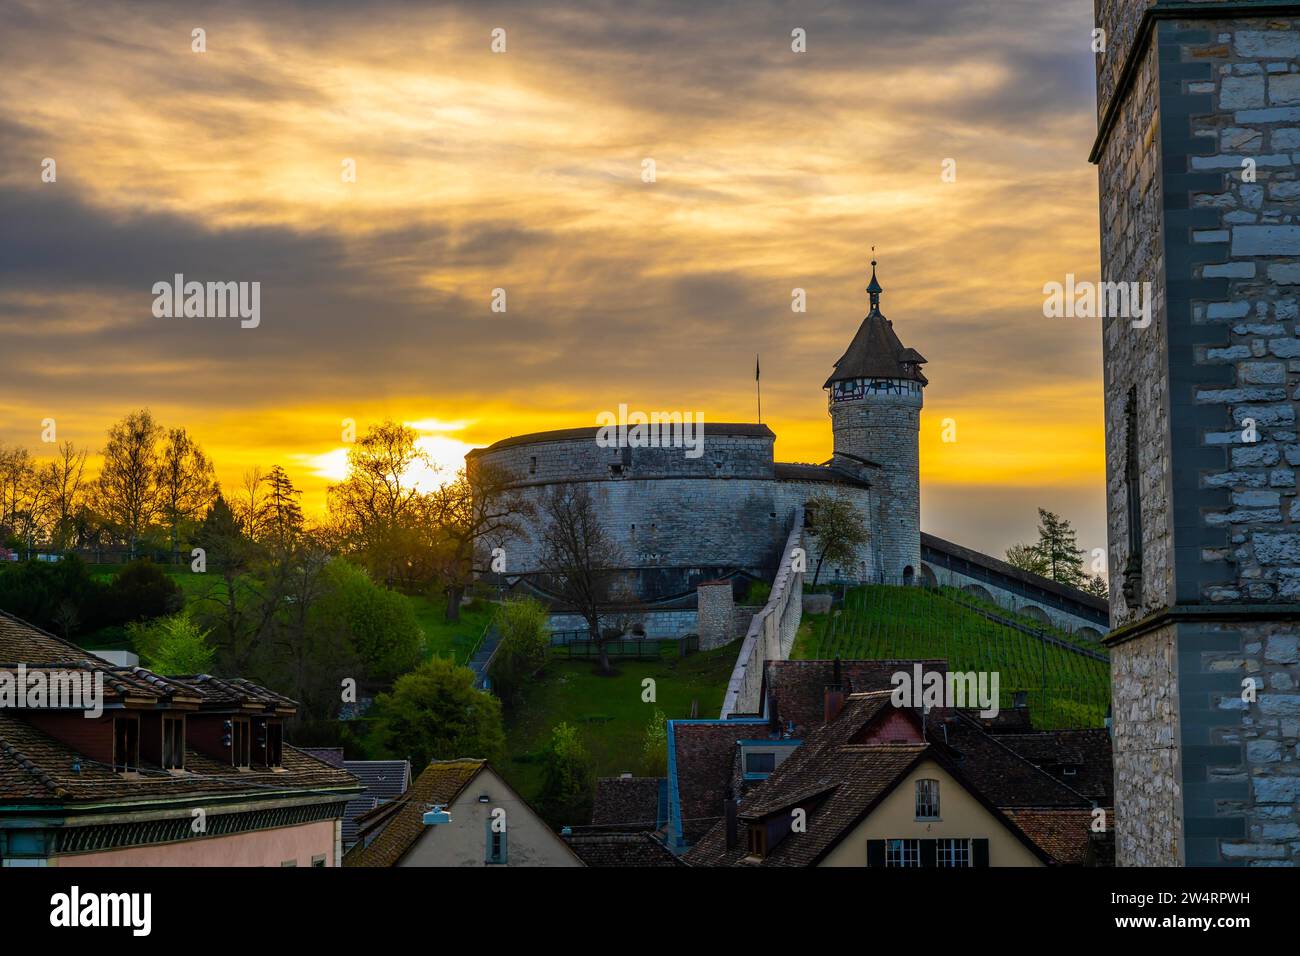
point(875, 351)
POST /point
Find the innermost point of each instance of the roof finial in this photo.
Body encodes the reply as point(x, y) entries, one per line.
point(874, 289)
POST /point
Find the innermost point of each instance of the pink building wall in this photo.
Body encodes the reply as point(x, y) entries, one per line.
point(258, 848)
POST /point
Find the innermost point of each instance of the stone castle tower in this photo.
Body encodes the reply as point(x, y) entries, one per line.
point(875, 397)
point(1198, 130)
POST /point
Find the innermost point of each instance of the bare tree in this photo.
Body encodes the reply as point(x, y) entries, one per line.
point(377, 505)
point(128, 483)
point(249, 504)
point(579, 559)
point(64, 483)
point(16, 471)
point(478, 505)
point(186, 487)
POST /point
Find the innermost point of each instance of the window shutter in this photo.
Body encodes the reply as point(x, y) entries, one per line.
point(929, 853)
point(875, 853)
point(980, 853)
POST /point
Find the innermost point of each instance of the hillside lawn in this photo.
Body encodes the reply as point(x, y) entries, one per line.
point(884, 622)
point(608, 711)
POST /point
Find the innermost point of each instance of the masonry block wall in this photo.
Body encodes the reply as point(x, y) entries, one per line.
point(716, 611)
point(1199, 139)
point(676, 521)
point(885, 430)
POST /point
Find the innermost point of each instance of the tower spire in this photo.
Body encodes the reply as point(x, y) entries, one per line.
point(874, 289)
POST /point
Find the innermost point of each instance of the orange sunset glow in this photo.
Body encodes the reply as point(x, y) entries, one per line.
point(524, 171)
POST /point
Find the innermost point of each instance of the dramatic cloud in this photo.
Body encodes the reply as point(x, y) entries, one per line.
point(523, 171)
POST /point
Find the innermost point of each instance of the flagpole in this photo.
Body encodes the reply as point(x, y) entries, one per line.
point(758, 382)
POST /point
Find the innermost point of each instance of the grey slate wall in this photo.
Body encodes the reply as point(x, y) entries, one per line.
point(1203, 775)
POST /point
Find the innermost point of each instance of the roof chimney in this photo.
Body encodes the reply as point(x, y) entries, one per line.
point(733, 826)
point(834, 697)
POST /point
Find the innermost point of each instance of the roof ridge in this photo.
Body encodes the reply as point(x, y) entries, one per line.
point(62, 640)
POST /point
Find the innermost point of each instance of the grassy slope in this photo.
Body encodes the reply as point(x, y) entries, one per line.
point(450, 640)
point(882, 622)
point(608, 711)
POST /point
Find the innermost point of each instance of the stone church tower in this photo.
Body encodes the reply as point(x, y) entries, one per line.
point(875, 396)
point(1198, 131)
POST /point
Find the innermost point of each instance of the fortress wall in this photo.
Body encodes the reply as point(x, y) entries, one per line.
point(771, 632)
point(581, 459)
point(690, 527)
point(659, 625)
point(1012, 600)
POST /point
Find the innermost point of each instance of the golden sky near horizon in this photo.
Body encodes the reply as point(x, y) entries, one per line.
point(522, 171)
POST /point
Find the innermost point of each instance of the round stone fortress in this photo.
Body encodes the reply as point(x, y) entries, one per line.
point(725, 510)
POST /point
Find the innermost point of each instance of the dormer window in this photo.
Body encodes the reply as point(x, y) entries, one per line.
point(756, 840)
point(126, 744)
point(173, 743)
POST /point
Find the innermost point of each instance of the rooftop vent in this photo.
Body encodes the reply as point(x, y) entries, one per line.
point(437, 815)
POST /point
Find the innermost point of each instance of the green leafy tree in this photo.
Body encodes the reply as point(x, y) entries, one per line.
point(1097, 586)
point(61, 596)
point(839, 528)
point(1027, 557)
point(654, 746)
point(381, 623)
point(525, 645)
point(568, 779)
point(436, 713)
point(141, 591)
point(172, 646)
point(1055, 555)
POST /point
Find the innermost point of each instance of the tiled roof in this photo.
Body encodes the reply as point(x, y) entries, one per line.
point(630, 803)
point(384, 780)
point(876, 352)
point(439, 783)
point(28, 645)
point(35, 767)
point(1088, 752)
point(233, 691)
point(23, 642)
point(705, 760)
point(1067, 835)
point(794, 471)
point(621, 849)
point(330, 755)
point(1001, 774)
point(796, 690)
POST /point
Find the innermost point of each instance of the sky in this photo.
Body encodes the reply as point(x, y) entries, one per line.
point(525, 170)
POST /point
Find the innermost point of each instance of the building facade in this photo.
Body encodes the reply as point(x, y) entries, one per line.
point(1197, 148)
point(160, 771)
point(458, 813)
